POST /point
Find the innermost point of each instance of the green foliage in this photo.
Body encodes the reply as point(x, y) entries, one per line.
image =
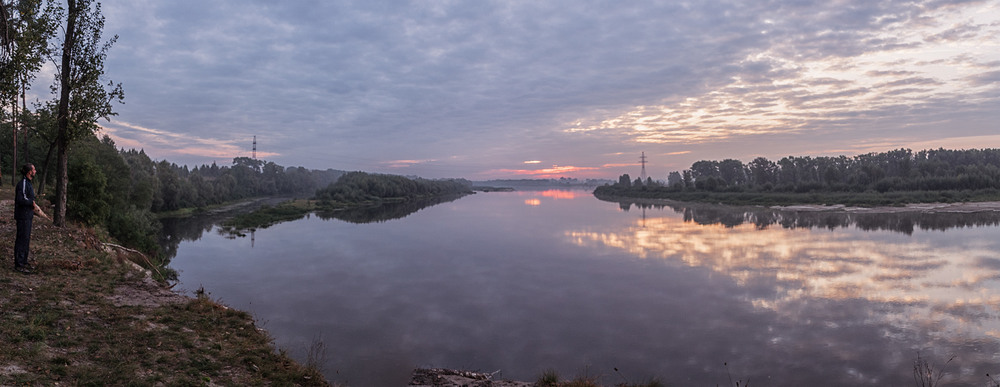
point(120, 190)
point(88, 98)
point(356, 197)
point(549, 378)
point(890, 178)
point(27, 26)
point(88, 192)
point(134, 227)
point(361, 187)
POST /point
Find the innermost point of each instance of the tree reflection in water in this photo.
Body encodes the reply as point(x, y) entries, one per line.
point(384, 212)
point(905, 221)
point(191, 228)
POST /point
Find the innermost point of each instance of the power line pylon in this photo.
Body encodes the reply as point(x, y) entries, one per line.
point(643, 174)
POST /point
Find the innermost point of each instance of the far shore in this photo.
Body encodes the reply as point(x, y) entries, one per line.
point(961, 207)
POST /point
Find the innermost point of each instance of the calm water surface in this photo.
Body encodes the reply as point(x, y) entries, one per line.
point(524, 282)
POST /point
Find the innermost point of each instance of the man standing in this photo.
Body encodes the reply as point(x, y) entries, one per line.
point(24, 212)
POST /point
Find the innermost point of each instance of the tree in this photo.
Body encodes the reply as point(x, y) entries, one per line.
point(705, 169)
point(674, 179)
point(83, 97)
point(762, 171)
point(90, 194)
point(731, 172)
point(168, 197)
point(625, 180)
point(25, 29)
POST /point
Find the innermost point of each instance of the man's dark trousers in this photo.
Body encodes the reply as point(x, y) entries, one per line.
point(21, 242)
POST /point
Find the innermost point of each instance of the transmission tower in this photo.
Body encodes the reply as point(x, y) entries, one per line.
point(643, 174)
point(255, 147)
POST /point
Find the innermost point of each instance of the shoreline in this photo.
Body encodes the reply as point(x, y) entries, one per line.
point(106, 320)
point(90, 314)
point(930, 208)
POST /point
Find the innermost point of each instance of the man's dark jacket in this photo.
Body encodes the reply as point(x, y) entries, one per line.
point(24, 200)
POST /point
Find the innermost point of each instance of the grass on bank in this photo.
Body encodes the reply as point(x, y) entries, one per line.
point(550, 378)
point(85, 318)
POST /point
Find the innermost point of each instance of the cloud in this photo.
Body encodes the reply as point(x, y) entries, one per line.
point(776, 94)
point(619, 165)
point(553, 172)
point(405, 163)
point(171, 144)
point(349, 84)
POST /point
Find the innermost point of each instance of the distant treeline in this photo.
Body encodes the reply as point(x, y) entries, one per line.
point(121, 190)
point(899, 175)
point(366, 188)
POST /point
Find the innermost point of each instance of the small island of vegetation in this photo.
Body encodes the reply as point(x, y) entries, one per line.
point(350, 191)
point(892, 178)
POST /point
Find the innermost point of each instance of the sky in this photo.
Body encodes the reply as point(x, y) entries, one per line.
point(546, 89)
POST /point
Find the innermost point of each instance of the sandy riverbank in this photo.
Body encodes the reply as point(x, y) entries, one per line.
point(970, 207)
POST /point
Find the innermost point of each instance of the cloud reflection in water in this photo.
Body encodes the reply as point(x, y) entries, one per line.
point(942, 288)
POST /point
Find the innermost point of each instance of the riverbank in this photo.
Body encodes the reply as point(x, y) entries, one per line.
point(821, 198)
point(90, 316)
point(938, 207)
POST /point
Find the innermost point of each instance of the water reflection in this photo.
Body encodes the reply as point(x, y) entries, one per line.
point(939, 291)
point(562, 194)
point(191, 228)
point(384, 212)
point(575, 284)
point(762, 217)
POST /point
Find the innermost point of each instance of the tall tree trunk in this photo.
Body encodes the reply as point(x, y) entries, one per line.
point(45, 170)
point(62, 138)
point(24, 110)
point(13, 109)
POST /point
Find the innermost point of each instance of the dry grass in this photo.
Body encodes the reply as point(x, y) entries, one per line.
point(550, 378)
point(85, 318)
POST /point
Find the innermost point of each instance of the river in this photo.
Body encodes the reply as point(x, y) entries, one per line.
point(529, 281)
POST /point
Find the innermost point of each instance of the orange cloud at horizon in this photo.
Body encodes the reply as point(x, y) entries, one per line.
point(548, 173)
